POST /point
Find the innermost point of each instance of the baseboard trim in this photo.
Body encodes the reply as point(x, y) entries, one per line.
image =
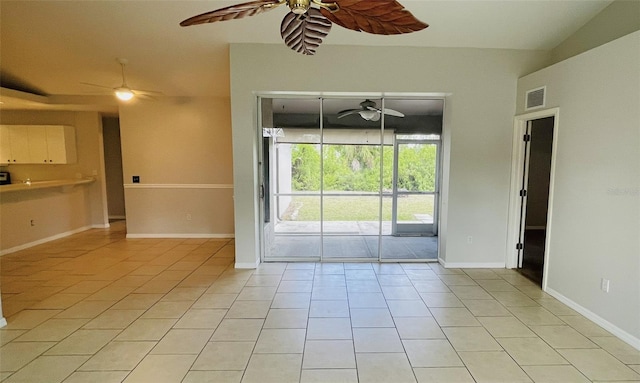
point(615, 330)
point(117, 217)
point(101, 226)
point(181, 235)
point(3, 322)
point(472, 265)
point(247, 265)
point(44, 240)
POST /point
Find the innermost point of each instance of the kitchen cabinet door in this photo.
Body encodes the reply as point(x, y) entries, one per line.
point(61, 144)
point(5, 145)
point(38, 151)
point(19, 137)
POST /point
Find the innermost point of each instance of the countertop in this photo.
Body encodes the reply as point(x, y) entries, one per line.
point(33, 185)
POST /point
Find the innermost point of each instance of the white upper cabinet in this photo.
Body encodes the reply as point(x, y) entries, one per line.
point(5, 145)
point(37, 144)
point(61, 144)
point(19, 141)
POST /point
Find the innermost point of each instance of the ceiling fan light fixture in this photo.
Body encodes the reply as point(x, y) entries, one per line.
point(124, 94)
point(299, 7)
point(369, 115)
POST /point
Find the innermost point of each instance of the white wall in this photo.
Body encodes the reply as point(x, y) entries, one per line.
point(481, 84)
point(596, 208)
point(181, 150)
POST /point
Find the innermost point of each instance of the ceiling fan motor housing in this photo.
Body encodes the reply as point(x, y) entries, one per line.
point(299, 6)
point(367, 104)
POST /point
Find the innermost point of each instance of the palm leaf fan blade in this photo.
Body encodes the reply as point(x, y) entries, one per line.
point(237, 11)
point(382, 17)
point(304, 33)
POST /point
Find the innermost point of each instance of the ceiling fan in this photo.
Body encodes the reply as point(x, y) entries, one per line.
point(124, 92)
point(369, 111)
point(304, 28)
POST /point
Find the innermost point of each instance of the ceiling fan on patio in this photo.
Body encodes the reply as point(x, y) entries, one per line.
point(124, 92)
point(369, 111)
point(304, 28)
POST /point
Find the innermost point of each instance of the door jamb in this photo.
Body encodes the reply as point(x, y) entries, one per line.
point(517, 158)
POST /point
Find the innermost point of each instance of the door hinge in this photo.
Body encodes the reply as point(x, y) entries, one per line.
point(519, 246)
point(523, 193)
point(527, 138)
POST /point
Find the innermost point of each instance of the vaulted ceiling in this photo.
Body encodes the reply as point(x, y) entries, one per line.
point(51, 47)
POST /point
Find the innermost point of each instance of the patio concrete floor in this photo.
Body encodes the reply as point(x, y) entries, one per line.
point(342, 240)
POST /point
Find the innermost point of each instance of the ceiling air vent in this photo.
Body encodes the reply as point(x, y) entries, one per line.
point(536, 98)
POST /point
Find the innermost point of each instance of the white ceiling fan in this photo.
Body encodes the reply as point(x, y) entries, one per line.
point(369, 111)
point(124, 92)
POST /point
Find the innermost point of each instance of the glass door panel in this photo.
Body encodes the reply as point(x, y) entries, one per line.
point(294, 231)
point(351, 201)
point(351, 159)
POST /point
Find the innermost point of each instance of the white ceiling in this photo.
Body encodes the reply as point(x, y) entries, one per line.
point(53, 46)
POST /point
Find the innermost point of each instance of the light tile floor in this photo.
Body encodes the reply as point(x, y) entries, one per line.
point(96, 307)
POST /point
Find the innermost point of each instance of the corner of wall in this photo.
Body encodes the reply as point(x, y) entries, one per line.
point(605, 324)
point(247, 265)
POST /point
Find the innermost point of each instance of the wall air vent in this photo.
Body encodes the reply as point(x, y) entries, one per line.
point(536, 98)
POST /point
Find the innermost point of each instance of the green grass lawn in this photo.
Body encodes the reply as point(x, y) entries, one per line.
point(351, 208)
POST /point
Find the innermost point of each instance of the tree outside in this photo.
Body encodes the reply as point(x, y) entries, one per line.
point(356, 168)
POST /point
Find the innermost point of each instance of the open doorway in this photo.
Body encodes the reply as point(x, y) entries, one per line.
point(538, 141)
point(113, 168)
point(339, 186)
point(532, 193)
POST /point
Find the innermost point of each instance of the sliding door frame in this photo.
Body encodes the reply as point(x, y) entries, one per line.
point(442, 170)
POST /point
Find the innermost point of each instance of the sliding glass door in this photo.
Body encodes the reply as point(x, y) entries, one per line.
point(351, 175)
point(348, 180)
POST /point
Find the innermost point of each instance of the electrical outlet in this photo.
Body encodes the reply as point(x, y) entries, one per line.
point(188, 217)
point(32, 222)
point(469, 239)
point(136, 179)
point(604, 285)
